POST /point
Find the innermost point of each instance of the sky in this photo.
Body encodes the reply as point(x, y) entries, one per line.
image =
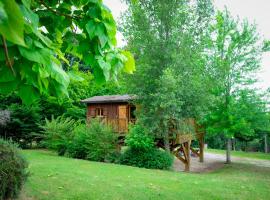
point(257, 11)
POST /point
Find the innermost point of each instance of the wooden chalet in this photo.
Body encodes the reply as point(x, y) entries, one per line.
point(118, 112)
point(115, 110)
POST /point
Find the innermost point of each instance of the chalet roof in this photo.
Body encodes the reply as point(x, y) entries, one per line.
point(109, 99)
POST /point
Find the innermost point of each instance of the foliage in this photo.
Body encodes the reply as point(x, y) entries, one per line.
point(141, 151)
point(58, 133)
point(234, 52)
point(23, 124)
point(94, 142)
point(168, 39)
point(150, 158)
point(37, 38)
point(138, 138)
point(13, 171)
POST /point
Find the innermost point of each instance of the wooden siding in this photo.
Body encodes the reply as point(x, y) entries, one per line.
point(114, 114)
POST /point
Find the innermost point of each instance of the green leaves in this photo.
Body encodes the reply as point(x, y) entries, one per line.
point(11, 22)
point(40, 39)
point(28, 94)
point(129, 66)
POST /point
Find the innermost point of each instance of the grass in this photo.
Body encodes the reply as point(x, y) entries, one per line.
point(60, 178)
point(242, 154)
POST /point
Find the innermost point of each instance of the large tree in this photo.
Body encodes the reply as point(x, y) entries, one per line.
point(234, 56)
point(168, 39)
point(37, 36)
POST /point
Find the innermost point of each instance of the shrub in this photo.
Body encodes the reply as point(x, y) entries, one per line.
point(58, 133)
point(23, 124)
point(138, 138)
point(114, 157)
point(151, 158)
point(94, 142)
point(141, 151)
point(12, 170)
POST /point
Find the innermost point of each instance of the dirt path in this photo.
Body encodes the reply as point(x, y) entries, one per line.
point(215, 161)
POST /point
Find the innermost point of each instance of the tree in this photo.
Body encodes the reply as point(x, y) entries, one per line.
point(38, 36)
point(234, 53)
point(168, 39)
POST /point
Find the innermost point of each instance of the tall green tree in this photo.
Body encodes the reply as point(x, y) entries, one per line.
point(168, 39)
point(234, 55)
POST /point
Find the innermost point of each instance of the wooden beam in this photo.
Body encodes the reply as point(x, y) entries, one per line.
point(195, 151)
point(201, 144)
point(187, 150)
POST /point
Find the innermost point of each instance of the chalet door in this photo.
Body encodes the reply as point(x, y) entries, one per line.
point(122, 118)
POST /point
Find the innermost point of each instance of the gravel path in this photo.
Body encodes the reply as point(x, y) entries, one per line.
point(214, 161)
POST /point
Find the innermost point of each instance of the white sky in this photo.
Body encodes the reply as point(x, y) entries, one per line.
point(257, 11)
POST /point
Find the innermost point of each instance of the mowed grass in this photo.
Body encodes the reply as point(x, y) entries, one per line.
point(58, 178)
point(242, 154)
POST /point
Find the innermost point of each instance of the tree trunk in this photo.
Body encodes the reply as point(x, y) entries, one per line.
point(228, 151)
point(265, 144)
point(167, 143)
point(234, 144)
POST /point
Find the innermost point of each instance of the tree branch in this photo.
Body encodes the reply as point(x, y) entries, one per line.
point(7, 56)
point(59, 13)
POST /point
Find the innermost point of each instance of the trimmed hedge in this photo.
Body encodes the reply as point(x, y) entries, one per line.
point(150, 159)
point(13, 171)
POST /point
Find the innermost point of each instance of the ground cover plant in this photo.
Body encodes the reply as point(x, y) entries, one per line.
point(54, 177)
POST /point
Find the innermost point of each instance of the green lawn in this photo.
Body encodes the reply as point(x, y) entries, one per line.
point(59, 178)
point(257, 155)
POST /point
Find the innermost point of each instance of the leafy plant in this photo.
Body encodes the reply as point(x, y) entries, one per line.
point(93, 142)
point(138, 138)
point(37, 38)
point(58, 133)
point(23, 124)
point(151, 158)
point(13, 170)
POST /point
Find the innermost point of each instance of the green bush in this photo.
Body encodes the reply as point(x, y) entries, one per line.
point(13, 171)
point(141, 151)
point(58, 133)
point(113, 157)
point(138, 138)
point(150, 159)
point(23, 124)
point(94, 142)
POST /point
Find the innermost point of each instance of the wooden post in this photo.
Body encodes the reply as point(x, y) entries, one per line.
point(187, 155)
point(201, 144)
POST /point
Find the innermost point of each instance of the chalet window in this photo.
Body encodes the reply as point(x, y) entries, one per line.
point(99, 112)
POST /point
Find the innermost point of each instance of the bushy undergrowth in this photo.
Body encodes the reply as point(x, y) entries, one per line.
point(142, 153)
point(58, 133)
point(94, 142)
point(151, 158)
point(13, 170)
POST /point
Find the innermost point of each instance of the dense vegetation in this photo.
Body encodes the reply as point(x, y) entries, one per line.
point(196, 62)
point(192, 61)
point(13, 170)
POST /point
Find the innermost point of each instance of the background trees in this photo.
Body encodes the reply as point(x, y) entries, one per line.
point(234, 53)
